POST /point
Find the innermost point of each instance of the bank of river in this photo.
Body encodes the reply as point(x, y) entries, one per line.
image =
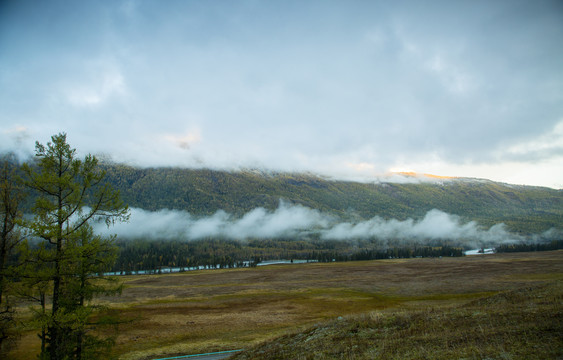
point(170, 270)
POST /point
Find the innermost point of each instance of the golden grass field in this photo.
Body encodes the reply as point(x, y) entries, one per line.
point(214, 310)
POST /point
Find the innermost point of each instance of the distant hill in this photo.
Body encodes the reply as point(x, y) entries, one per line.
point(525, 209)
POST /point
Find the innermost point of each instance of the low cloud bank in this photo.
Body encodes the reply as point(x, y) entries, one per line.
point(436, 225)
point(285, 221)
point(298, 221)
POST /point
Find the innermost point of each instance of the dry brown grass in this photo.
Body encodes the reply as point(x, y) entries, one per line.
point(230, 309)
point(525, 323)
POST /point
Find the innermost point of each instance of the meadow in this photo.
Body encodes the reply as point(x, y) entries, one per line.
point(213, 310)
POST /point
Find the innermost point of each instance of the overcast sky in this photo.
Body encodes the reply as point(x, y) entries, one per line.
point(352, 89)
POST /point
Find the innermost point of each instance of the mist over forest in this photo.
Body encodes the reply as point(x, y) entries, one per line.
point(303, 223)
point(195, 204)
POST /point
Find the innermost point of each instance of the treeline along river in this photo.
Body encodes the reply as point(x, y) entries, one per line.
point(161, 255)
point(153, 256)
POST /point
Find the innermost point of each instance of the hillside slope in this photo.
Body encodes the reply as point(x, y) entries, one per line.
point(519, 324)
point(203, 192)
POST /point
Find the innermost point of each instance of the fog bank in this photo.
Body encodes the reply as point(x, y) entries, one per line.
point(297, 221)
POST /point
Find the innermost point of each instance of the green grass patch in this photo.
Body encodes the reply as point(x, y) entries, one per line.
point(449, 297)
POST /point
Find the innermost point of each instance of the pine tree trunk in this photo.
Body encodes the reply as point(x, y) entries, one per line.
point(43, 335)
point(55, 340)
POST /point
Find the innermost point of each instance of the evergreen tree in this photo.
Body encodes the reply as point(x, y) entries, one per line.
point(11, 196)
point(70, 195)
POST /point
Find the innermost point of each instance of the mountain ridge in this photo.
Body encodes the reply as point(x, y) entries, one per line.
point(202, 192)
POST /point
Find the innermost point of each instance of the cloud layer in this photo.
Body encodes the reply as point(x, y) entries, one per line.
point(348, 89)
point(296, 221)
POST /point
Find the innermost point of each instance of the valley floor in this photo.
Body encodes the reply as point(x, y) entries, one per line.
point(206, 311)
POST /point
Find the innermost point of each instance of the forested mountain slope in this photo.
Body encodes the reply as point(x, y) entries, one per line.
point(202, 192)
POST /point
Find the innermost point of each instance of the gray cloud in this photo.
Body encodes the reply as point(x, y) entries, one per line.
point(319, 86)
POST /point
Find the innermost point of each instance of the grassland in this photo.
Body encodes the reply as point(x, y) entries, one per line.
point(517, 324)
point(357, 305)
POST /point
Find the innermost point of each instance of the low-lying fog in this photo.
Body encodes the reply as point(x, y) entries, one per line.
point(297, 221)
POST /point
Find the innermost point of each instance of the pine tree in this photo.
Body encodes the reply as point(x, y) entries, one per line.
point(11, 196)
point(70, 196)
